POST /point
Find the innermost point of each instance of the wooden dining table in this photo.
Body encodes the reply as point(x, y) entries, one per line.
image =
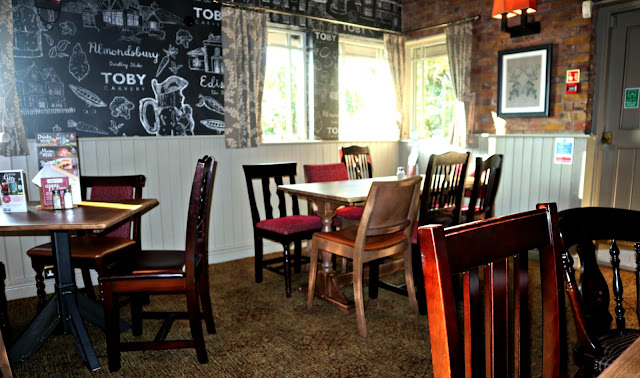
point(66, 306)
point(328, 196)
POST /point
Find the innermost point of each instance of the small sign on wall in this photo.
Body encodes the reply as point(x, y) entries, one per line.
point(563, 151)
point(631, 98)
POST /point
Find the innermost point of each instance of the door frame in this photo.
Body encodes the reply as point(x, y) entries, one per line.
point(605, 10)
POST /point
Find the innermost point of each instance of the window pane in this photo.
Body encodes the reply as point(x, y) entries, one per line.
point(433, 99)
point(283, 102)
point(367, 97)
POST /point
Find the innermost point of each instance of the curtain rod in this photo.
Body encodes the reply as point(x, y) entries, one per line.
point(460, 21)
point(287, 13)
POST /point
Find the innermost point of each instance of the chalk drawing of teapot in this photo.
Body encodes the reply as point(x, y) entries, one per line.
point(172, 115)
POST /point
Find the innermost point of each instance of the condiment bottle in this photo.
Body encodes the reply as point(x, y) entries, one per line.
point(57, 202)
point(68, 200)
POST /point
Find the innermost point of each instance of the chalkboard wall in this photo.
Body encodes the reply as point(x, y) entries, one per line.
point(152, 68)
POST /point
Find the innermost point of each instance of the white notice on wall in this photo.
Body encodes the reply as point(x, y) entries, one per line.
point(563, 151)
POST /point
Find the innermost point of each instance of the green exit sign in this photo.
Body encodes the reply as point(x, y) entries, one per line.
point(631, 96)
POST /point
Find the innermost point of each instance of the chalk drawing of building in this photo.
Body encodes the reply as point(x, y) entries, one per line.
point(40, 91)
point(207, 58)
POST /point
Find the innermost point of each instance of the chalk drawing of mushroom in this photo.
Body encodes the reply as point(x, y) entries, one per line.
point(183, 38)
point(121, 107)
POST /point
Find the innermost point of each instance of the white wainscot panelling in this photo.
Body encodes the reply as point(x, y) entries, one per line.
point(168, 163)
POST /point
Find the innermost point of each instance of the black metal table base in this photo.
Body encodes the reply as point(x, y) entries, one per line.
point(62, 308)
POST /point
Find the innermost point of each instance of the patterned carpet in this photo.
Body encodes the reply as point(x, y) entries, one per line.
point(261, 333)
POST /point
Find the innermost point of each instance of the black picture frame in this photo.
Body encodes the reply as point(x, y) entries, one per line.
point(524, 77)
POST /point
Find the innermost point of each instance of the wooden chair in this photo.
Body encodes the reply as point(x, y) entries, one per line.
point(5, 328)
point(88, 251)
point(333, 172)
point(282, 228)
point(166, 272)
point(598, 345)
point(385, 230)
point(440, 203)
point(441, 199)
point(495, 325)
point(486, 181)
point(357, 160)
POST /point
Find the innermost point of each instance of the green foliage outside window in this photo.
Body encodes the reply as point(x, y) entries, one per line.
point(434, 98)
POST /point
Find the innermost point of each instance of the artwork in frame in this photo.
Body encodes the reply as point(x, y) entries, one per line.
point(523, 81)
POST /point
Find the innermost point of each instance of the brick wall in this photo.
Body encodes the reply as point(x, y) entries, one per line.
point(561, 25)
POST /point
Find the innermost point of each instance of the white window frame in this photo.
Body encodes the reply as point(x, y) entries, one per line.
point(307, 133)
point(432, 46)
point(381, 54)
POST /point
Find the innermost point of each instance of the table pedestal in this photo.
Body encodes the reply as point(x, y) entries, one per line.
point(62, 308)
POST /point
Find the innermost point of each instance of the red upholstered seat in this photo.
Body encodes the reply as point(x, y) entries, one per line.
point(291, 224)
point(114, 193)
point(350, 212)
point(333, 172)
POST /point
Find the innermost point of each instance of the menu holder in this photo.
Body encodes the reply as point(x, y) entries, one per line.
point(14, 194)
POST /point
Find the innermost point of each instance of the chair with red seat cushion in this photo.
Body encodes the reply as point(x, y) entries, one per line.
point(357, 160)
point(333, 172)
point(279, 227)
point(91, 251)
point(486, 181)
point(166, 272)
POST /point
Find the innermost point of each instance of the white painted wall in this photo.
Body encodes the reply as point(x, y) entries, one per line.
point(168, 164)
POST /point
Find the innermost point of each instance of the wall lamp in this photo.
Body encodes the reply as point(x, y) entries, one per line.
point(505, 9)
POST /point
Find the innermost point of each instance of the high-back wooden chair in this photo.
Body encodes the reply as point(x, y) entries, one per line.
point(166, 272)
point(598, 343)
point(495, 325)
point(486, 181)
point(384, 230)
point(357, 160)
point(88, 251)
point(441, 199)
point(282, 228)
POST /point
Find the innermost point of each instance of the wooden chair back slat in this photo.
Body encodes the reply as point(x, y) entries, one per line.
point(441, 199)
point(357, 160)
point(499, 247)
point(485, 188)
point(268, 173)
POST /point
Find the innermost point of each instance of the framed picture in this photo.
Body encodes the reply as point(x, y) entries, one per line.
point(523, 81)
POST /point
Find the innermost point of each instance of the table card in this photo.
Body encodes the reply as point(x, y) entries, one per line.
point(59, 149)
point(14, 198)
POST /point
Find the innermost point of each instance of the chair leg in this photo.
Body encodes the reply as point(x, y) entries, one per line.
point(298, 256)
point(258, 258)
point(112, 324)
point(205, 300)
point(313, 269)
point(5, 366)
point(195, 324)
point(358, 296)
point(136, 314)
point(39, 269)
point(418, 279)
point(287, 269)
point(374, 278)
point(408, 276)
point(88, 285)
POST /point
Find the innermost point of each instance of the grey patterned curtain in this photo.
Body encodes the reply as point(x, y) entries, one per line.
point(10, 118)
point(396, 55)
point(459, 42)
point(244, 44)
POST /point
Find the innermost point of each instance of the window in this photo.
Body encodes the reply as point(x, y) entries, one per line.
point(432, 98)
point(284, 107)
point(367, 97)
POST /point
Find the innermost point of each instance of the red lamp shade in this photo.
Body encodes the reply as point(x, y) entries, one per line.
point(512, 7)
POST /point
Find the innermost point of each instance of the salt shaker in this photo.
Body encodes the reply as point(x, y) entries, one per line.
point(68, 200)
point(401, 173)
point(57, 202)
